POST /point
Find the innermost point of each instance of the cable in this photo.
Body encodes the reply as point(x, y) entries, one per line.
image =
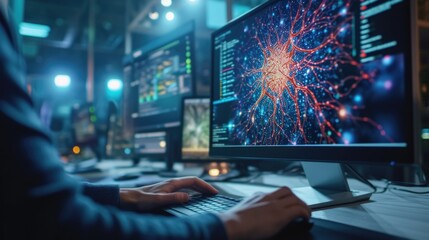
point(364, 180)
point(409, 191)
point(385, 188)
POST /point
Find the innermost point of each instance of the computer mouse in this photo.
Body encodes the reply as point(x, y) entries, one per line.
point(298, 226)
point(127, 176)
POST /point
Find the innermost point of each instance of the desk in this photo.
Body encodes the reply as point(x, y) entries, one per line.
point(401, 214)
point(108, 170)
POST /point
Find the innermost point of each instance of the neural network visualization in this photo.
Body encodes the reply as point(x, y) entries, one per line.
point(299, 79)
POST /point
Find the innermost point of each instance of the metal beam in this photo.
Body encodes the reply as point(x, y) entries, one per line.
point(17, 7)
point(91, 40)
point(141, 15)
point(228, 10)
point(128, 35)
point(70, 36)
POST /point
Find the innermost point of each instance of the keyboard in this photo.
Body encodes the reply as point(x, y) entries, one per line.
point(199, 204)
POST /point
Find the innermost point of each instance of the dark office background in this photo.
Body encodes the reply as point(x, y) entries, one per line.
point(89, 38)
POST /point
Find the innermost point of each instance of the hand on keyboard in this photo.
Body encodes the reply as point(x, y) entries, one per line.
point(163, 194)
point(263, 215)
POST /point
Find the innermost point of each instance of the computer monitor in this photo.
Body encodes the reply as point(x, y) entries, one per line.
point(116, 146)
point(85, 149)
point(84, 125)
point(322, 82)
point(162, 75)
point(195, 129)
point(151, 144)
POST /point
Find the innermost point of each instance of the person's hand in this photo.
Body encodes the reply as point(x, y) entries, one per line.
point(163, 194)
point(263, 215)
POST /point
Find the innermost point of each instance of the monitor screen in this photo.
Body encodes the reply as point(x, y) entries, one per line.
point(150, 144)
point(315, 80)
point(195, 128)
point(162, 75)
point(83, 124)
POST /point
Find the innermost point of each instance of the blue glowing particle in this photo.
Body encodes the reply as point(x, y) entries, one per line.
point(347, 137)
point(387, 60)
point(127, 151)
point(357, 98)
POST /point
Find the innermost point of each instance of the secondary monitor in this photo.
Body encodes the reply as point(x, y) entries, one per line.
point(162, 75)
point(195, 128)
point(85, 136)
point(322, 82)
point(83, 121)
point(150, 144)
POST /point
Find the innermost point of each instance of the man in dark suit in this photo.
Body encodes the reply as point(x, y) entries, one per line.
point(41, 201)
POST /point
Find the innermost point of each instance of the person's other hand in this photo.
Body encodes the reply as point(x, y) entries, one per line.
point(163, 194)
point(264, 214)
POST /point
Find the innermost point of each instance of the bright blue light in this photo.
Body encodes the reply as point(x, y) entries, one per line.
point(114, 84)
point(127, 151)
point(34, 30)
point(62, 81)
point(358, 98)
point(348, 137)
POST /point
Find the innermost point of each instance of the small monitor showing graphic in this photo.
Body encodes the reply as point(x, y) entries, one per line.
point(195, 128)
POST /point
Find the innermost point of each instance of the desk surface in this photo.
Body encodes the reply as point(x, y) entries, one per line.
point(394, 212)
point(401, 214)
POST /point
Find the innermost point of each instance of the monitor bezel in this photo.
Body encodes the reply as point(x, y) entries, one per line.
point(343, 154)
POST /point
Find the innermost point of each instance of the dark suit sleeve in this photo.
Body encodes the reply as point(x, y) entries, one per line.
point(40, 201)
point(103, 194)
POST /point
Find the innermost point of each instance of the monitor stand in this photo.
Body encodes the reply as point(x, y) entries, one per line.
point(328, 186)
point(169, 171)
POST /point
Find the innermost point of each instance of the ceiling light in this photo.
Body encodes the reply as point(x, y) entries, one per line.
point(154, 15)
point(34, 30)
point(114, 84)
point(166, 3)
point(62, 81)
point(169, 16)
